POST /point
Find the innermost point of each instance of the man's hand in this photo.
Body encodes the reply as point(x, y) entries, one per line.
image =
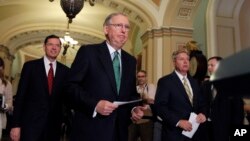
point(105, 107)
point(15, 134)
point(137, 112)
point(185, 125)
point(201, 118)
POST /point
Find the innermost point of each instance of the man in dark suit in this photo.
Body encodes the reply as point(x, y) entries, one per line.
point(37, 112)
point(175, 100)
point(94, 86)
point(223, 112)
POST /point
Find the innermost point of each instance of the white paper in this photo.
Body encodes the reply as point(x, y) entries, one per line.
point(195, 125)
point(126, 102)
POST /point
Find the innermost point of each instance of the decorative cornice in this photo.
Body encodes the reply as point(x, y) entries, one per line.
point(186, 9)
point(190, 2)
point(167, 31)
point(7, 52)
point(126, 10)
point(37, 37)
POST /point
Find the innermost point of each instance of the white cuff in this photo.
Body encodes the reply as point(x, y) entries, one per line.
point(94, 113)
point(133, 109)
point(5, 106)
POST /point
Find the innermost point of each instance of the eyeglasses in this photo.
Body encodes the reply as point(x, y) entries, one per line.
point(120, 26)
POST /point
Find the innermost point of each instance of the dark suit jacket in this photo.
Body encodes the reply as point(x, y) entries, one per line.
point(92, 79)
point(225, 112)
point(172, 104)
point(35, 111)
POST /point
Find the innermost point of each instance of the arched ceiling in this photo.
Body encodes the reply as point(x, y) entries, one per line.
point(25, 24)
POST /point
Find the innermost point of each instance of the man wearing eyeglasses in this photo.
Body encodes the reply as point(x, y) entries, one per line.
point(143, 128)
point(101, 74)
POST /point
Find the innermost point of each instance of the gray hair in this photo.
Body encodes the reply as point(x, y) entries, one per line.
point(110, 16)
point(182, 50)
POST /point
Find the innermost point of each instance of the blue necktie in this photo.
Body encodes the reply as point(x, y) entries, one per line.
point(117, 71)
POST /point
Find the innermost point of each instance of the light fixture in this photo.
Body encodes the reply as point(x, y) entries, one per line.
point(67, 42)
point(72, 7)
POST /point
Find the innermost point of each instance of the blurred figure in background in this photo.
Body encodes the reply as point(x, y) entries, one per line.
point(6, 97)
point(212, 64)
point(143, 128)
point(223, 112)
point(247, 110)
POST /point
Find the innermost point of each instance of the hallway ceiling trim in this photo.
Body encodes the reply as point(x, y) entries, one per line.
point(26, 22)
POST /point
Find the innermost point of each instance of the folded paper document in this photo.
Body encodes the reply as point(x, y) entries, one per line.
point(195, 125)
point(126, 102)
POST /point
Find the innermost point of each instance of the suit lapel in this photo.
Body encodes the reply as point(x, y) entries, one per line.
point(106, 61)
point(56, 78)
point(192, 87)
point(125, 69)
point(41, 70)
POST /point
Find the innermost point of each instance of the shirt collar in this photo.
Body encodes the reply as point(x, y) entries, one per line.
point(112, 50)
point(180, 75)
point(47, 62)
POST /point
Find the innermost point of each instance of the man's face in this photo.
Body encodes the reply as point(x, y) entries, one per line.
point(117, 31)
point(181, 63)
point(212, 66)
point(141, 78)
point(52, 48)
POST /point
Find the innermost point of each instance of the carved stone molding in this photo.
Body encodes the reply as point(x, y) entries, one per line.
point(166, 31)
point(6, 51)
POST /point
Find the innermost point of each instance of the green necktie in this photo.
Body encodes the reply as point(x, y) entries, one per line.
point(116, 66)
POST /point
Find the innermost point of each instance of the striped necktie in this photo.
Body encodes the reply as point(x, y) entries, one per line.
point(187, 89)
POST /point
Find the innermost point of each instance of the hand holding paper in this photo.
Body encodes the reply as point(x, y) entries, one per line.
point(195, 125)
point(105, 107)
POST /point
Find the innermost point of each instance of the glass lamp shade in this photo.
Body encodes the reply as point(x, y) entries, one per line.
point(72, 8)
point(67, 42)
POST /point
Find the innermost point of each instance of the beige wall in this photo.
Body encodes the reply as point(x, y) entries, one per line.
point(158, 47)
